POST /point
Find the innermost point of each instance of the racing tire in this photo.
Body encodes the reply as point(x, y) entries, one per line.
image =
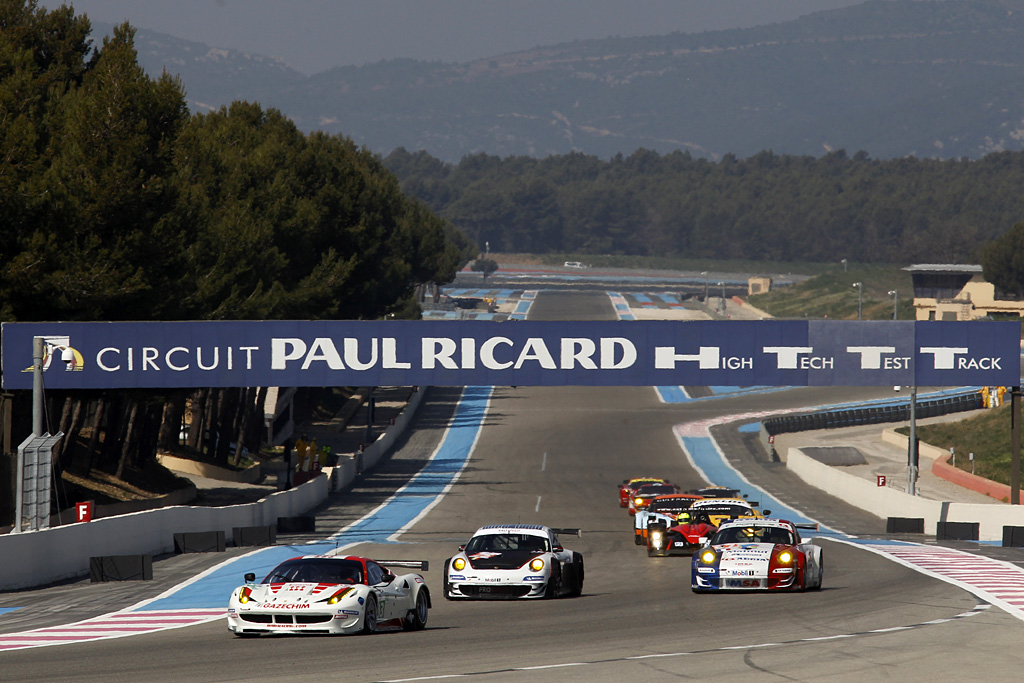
point(446, 586)
point(821, 573)
point(369, 616)
point(416, 620)
point(554, 586)
point(638, 539)
point(577, 584)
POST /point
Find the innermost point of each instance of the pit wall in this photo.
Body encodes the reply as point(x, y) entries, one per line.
point(888, 502)
point(38, 558)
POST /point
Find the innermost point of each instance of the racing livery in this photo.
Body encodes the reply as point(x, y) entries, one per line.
point(665, 509)
point(757, 554)
point(695, 525)
point(509, 561)
point(328, 594)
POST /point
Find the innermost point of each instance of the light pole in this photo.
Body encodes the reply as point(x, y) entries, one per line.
point(860, 298)
point(893, 293)
point(844, 265)
point(721, 306)
point(705, 274)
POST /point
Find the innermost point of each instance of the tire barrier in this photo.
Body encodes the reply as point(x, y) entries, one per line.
point(905, 525)
point(1013, 536)
point(121, 568)
point(200, 542)
point(850, 417)
point(254, 535)
point(957, 531)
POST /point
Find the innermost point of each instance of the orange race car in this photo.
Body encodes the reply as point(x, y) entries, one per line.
point(642, 497)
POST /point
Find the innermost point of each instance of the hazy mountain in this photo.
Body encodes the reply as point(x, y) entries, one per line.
point(893, 78)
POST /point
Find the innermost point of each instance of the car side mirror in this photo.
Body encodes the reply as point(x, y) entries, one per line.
point(766, 512)
point(558, 549)
point(703, 540)
point(386, 579)
point(462, 547)
point(250, 578)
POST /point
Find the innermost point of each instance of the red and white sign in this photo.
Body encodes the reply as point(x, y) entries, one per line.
point(83, 511)
point(880, 479)
point(771, 438)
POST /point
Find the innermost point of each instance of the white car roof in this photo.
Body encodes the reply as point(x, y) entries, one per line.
point(775, 523)
point(528, 529)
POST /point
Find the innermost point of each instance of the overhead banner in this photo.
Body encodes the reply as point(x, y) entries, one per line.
point(458, 353)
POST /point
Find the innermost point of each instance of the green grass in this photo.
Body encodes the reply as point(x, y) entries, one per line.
point(987, 435)
point(831, 294)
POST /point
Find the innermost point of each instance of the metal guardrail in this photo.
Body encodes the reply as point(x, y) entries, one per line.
point(852, 417)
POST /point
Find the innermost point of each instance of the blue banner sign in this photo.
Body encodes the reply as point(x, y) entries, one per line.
point(457, 353)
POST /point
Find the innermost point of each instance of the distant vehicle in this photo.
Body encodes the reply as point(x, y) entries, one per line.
point(664, 509)
point(757, 554)
point(629, 486)
point(509, 561)
point(643, 496)
point(574, 264)
point(327, 594)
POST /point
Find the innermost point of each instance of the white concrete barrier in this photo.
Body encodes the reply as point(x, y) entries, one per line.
point(37, 558)
point(888, 502)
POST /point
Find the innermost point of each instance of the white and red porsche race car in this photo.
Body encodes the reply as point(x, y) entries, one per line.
point(757, 554)
point(329, 594)
point(508, 561)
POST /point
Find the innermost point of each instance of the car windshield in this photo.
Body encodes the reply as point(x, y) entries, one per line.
point(502, 542)
point(315, 570)
point(726, 510)
point(656, 489)
point(754, 534)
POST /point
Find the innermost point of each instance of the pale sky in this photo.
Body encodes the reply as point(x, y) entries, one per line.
point(315, 35)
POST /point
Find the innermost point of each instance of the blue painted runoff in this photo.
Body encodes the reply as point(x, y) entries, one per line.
point(213, 590)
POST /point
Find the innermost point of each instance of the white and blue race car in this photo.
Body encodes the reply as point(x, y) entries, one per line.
point(757, 554)
point(327, 594)
point(509, 561)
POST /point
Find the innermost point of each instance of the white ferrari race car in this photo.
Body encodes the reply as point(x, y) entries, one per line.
point(757, 554)
point(508, 561)
point(328, 594)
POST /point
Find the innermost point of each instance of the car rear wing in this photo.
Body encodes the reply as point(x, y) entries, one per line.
point(422, 565)
point(566, 532)
point(807, 525)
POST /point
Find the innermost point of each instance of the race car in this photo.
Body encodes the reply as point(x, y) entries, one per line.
point(716, 492)
point(757, 554)
point(629, 486)
point(643, 495)
point(509, 561)
point(661, 509)
point(328, 594)
point(695, 525)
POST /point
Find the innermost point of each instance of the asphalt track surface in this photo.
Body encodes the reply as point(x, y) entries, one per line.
point(554, 456)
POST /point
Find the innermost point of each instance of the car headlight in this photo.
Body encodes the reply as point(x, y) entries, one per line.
point(785, 557)
point(336, 598)
point(536, 564)
point(708, 556)
point(459, 564)
point(638, 501)
point(243, 595)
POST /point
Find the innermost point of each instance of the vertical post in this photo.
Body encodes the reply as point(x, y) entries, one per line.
point(1015, 446)
point(37, 386)
point(912, 445)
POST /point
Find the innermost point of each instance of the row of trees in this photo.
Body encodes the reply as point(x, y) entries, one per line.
point(117, 204)
point(767, 207)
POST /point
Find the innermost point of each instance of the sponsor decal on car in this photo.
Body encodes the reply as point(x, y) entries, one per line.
point(454, 577)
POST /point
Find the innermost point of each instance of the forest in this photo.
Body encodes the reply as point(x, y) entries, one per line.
point(118, 204)
point(768, 207)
